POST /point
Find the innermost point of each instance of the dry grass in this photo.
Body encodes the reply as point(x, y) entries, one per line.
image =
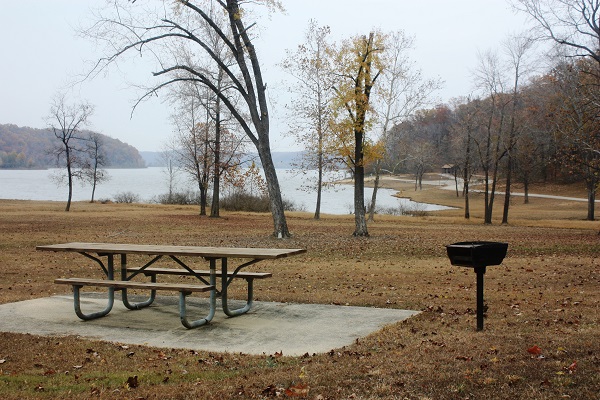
point(545, 294)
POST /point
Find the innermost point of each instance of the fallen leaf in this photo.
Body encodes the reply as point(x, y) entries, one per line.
point(132, 382)
point(464, 358)
point(299, 390)
point(571, 368)
point(546, 383)
point(270, 391)
point(303, 373)
point(535, 350)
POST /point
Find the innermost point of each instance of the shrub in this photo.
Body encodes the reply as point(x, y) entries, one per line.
point(127, 197)
point(179, 198)
point(243, 201)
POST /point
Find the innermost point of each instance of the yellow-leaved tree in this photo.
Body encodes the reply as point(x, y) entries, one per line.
point(358, 65)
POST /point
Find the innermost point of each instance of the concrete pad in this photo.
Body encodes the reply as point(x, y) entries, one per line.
point(294, 329)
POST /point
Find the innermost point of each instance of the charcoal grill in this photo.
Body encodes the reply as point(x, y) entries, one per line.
point(477, 255)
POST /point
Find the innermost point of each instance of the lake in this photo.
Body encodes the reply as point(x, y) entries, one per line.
point(148, 183)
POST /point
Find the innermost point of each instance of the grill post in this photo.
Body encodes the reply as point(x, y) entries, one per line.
point(480, 271)
point(477, 255)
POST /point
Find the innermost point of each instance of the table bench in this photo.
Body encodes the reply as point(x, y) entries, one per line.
point(183, 289)
point(98, 251)
point(152, 272)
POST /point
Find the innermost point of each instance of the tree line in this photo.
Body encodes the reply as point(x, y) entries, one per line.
point(531, 117)
point(519, 124)
point(363, 101)
point(25, 147)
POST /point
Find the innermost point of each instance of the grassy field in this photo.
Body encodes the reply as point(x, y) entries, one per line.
point(541, 337)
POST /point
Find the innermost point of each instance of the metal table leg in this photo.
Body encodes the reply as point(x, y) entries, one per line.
point(225, 284)
point(213, 302)
point(110, 272)
point(126, 303)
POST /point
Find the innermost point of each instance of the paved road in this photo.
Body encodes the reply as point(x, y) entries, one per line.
point(447, 183)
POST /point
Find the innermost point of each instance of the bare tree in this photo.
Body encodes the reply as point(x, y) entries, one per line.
point(203, 148)
point(310, 116)
point(517, 49)
point(572, 24)
point(220, 148)
point(489, 78)
point(160, 31)
point(167, 156)
point(465, 124)
point(190, 145)
point(578, 124)
point(93, 171)
point(401, 90)
point(66, 122)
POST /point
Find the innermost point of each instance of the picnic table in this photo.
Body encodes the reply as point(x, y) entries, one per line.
point(104, 255)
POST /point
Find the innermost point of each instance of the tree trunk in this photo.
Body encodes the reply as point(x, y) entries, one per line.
point(490, 198)
point(466, 191)
point(508, 188)
point(359, 203)
point(281, 230)
point(456, 182)
point(214, 209)
point(93, 188)
point(591, 189)
point(359, 188)
point(200, 176)
point(256, 98)
point(320, 166)
point(487, 219)
point(94, 177)
point(374, 195)
point(204, 177)
point(203, 195)
point(492, 194)
point(69, 177)
point(319, 190)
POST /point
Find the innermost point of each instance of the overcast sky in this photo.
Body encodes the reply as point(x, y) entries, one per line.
point(40, 54)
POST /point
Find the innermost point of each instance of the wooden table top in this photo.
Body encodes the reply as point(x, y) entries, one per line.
point(198, 251)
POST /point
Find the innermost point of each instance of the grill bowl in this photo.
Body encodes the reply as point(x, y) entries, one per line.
point(476, 254)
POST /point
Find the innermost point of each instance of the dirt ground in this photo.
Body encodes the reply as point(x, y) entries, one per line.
point(541, 338)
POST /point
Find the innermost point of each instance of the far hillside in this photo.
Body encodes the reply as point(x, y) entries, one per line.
point(24, 147)
point(282, 159)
